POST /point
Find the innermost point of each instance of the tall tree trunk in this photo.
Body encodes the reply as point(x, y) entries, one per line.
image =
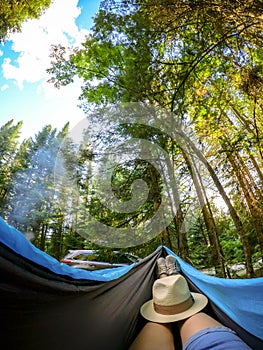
point(57, 237)
point(182, 243)
point(208, 217)
point(244, 239)
point(254, 189)
point(178, 215)
point(251, 201)
point(43, 235)
point(256, 166)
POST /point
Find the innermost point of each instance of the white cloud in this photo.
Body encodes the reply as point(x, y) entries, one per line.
point(56, 26)
point(62, 103)
point(68, 92)
point(1, 53)
point(4, 87)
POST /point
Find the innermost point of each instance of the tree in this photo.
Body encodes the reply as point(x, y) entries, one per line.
point(9, 155)
point(13, 13)
point(202, 61)
point(31, 203)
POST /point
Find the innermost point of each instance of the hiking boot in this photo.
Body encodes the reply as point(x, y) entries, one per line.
point(170, 262)
point(161, 267)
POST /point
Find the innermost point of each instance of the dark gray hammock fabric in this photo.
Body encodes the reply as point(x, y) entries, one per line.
point(40, 310)
point(43, 307)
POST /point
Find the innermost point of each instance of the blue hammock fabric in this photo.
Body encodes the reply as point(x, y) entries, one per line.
point(240, 299)
point(39, 296)
point(16, 241)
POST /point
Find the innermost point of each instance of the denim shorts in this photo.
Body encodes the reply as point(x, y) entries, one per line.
point(216, 338)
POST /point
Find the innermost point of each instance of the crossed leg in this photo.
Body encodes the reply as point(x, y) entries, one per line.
point(154, 336)
point(196, 323)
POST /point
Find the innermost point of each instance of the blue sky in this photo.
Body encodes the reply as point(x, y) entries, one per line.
point(24, 92)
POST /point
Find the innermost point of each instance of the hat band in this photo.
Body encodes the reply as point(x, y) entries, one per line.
point(174, 309)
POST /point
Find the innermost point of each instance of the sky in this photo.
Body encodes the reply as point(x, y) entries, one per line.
point(25, 94)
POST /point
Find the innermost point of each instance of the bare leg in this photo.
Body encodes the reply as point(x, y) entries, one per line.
point(154, 336)
point(195, 324)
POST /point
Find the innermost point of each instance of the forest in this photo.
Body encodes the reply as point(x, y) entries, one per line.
point(176, 86)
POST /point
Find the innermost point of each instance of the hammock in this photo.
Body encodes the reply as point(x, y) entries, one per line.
point(48, 305)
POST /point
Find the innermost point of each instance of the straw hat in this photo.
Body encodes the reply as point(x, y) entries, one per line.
point(172, 301)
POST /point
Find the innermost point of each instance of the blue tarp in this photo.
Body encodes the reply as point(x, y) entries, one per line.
point(240, 299)
point(16, 241)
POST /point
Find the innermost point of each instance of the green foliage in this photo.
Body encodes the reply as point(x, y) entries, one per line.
point(12, 158)
point(200, 254)
point(201, 60)
point(14, 12)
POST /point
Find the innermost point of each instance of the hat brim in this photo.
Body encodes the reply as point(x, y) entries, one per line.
point(148, 312)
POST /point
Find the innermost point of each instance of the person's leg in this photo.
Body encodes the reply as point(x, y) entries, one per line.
point(201, 331)
point(196, 323)
point(154, 336)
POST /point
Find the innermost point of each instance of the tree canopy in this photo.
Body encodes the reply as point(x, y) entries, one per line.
point(202, 61)
point(13, 13)
point(197, 66)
